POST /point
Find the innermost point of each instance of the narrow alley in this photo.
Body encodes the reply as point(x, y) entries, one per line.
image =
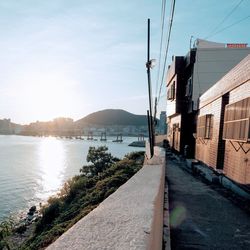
point(200, 217)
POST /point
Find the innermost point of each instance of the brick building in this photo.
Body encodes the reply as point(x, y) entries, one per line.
point(188, 77)
point(223, 129)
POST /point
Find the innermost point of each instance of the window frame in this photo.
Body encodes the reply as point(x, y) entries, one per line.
point(236, 125)
point(204, 126)
point(171, 91)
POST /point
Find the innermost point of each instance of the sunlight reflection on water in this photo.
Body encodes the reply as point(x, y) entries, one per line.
point(52, 164)
point(34, 168)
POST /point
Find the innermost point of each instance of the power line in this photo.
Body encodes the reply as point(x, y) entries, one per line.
point(231, 25)
point(171, 17)
point(163, 7)
point(224, 19)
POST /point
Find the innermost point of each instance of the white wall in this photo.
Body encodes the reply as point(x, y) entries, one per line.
point(211, 65)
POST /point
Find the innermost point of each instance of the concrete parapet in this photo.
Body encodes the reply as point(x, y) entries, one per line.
point(131, 218)
point(159, 139)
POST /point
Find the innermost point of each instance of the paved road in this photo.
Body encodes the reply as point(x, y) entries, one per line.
point(200, 217)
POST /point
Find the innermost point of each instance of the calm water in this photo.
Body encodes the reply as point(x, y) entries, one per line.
point(33, 168)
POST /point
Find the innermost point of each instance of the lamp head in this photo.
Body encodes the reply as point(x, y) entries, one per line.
point(151, 63)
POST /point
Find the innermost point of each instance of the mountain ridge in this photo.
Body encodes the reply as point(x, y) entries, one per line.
point(99, 119)
point(113, 117)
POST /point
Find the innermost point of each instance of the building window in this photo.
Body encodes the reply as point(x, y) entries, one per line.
point(236, 121)
point(171, 91)
point(176, 127)
point(204, 127)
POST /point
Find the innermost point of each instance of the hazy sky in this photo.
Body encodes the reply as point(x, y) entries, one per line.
point(73, 57)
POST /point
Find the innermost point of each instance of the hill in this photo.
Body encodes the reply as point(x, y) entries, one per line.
point(113, 117)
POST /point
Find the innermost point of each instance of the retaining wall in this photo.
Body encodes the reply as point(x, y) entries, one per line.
point(131, 218)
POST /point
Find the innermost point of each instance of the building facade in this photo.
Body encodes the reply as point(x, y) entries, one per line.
point(223, 127)
point(188, 77)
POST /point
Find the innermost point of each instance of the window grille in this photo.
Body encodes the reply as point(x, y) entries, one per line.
point(236, 121)
point(204, 127)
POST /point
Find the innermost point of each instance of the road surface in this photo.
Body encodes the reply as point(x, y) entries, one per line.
point(200, 217)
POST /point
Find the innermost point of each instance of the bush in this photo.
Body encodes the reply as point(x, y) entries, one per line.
point(21, 229)
point(49, 213)
point(100, 159)
point(6, 229)
point(83, 193)
point(138, 156)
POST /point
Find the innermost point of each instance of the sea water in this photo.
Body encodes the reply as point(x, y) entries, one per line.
point(34, 168)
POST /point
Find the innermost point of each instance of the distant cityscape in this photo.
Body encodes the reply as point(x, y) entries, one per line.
point(69, 127)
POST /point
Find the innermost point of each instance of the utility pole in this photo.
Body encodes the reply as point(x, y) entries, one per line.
point(149, 65)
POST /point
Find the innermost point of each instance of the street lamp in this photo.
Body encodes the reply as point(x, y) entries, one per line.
point(149, 65)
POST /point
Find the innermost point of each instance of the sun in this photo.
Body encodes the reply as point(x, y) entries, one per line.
point(48, 98)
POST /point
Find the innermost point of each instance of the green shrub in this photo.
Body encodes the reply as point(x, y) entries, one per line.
point(49, 213)
point(21, 229)
point(100, 159)
point(139, 155)
point(83, 193)
point(6, 229)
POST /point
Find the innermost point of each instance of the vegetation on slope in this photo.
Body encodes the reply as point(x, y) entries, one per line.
point(83, 193)
point(6, 228)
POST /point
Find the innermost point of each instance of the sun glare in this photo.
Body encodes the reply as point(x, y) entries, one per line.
point(52, 165)
point(48, 97)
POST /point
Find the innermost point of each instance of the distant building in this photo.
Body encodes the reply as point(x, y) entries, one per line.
point(188, 77)
point(223, 128)
point(6, 127)
point(162, 127)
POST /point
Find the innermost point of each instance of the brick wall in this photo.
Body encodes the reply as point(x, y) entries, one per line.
point(206, 149)
point(237, 164)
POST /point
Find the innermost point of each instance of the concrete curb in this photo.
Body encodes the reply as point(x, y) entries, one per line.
point(194, 167)
point(166, 221)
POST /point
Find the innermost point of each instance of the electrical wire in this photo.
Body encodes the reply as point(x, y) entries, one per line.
point(224, 19)
point(171, 17)
point(163, 8)
point(231, 25)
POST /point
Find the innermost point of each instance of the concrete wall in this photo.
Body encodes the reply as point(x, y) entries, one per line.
point(211, 65)
point(159, 140)
point(171, 103)
point(236, 77)
point(131, 218)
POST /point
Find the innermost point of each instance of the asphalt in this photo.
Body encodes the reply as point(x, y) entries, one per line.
point(201, 217)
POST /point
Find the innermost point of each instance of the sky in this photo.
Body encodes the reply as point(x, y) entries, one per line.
point(66, 58)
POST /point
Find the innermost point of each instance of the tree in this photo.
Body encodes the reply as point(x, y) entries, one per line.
point(100, 159)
